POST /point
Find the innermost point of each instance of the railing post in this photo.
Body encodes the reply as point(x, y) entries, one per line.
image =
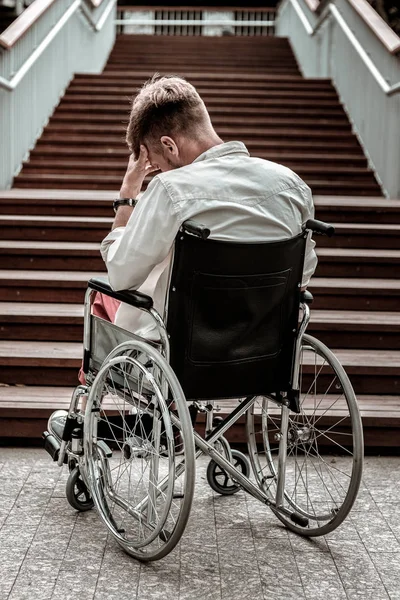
point(209, 15)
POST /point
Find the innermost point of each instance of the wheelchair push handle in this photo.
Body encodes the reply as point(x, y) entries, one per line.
point(195, 228)
point(320, 228)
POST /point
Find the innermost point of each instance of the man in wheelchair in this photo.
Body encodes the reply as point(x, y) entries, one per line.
point(218, 252)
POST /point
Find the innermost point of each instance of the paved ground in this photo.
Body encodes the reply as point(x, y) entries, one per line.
point(234, 548)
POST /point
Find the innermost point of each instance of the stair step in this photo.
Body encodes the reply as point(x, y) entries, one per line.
point(367, 187)
point(32, 363)
point(117, 169)
point(24, 411)
point(249, 133)
point(356, 329)
point(358, 262)
point(44, 286)
point(349, 209)
point(28, 312)
point(38, 255)
point(201, 79)
point(289, 159)
point(57, 228)
point(355, 294)
point(57, 202)
point(41, 322)
point(217, 112)
point(329, 293)
point(121, 107)
point(306, 161)
point(211, 95)
point(275, 123)
point(32, 402)
point(236, 88)
point(363, 235)
point(79, 148)
point(191, 52)
point(64, 322)
point(94, 229)
point(137, 77)
point(220, 68)
point(218, 115)
point(199, 42)
point(351, 320)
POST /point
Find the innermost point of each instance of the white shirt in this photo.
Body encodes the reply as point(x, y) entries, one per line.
point(238, 197)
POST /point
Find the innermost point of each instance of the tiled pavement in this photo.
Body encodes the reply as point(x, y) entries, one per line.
point(233, 548)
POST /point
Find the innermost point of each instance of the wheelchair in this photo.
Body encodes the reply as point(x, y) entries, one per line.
point(234, 331)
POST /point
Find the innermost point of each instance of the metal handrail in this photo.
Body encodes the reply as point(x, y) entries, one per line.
point(10, 85)
point(389, 90)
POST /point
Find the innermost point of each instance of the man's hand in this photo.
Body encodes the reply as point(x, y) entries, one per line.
point(132, 184)
point(135, 174)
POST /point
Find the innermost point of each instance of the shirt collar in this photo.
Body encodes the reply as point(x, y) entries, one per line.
point(223, 150)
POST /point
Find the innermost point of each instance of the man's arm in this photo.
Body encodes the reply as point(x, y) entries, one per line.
point(140, 240)
point(310, 259)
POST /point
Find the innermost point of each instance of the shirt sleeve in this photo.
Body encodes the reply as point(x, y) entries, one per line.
point(131, 252)
point(310, 259)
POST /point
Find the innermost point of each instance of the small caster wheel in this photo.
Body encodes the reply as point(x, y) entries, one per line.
point(77, 493)
point(220, 481)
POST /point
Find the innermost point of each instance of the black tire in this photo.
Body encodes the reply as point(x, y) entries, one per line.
point(77, 493)
point(218, 479)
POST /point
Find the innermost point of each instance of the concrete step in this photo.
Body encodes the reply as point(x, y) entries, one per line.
point(57, 363)
point(24, 411)
point(336, 328)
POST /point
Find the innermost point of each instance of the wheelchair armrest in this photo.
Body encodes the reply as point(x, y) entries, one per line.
point(306, 297)
point(133, 298)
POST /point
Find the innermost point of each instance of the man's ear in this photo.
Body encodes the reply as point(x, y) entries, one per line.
point(169, 145)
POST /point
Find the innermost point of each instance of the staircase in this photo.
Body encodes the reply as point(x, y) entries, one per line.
point(254, 92)
point(59, 210)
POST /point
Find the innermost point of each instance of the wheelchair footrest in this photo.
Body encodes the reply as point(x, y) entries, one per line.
point(299, 520)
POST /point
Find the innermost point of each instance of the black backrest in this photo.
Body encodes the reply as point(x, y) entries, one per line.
point(233, 315)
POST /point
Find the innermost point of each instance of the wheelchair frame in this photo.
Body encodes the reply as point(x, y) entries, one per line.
point(206, 445)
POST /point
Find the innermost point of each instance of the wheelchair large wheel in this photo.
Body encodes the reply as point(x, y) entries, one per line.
point(139, 451)
point(324, 456)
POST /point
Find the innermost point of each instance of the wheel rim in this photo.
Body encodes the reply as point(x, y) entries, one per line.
point(130, 452)
point(222, 478)
point(222, 481)
point(319, 486)
point(77, 492)
point(81, 493)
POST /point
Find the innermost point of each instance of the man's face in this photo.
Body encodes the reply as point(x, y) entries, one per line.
point(163, 157)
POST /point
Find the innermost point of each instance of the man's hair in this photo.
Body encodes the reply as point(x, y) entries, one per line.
point(167, 105)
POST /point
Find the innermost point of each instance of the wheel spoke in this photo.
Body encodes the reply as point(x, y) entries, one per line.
point(319, 489)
